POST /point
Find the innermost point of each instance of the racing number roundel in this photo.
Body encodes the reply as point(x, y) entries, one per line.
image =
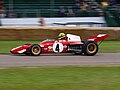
point(57, 47)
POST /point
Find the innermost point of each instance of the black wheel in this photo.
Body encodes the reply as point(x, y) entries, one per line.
point(90, 48)
point(35, 50)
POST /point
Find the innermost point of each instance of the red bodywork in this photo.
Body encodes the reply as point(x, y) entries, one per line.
point(20, 49)
point(98, 37)
point(48, 45)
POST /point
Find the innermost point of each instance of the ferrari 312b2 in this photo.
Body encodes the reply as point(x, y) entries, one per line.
point(73, 44)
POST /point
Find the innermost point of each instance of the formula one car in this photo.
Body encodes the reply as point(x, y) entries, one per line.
point(73, 44)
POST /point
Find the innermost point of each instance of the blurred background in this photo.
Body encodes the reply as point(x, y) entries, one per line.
point(83, 13)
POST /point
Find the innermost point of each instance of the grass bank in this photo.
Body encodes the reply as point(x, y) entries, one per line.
point(60, 78)
point(110, 46)
point(106, 46)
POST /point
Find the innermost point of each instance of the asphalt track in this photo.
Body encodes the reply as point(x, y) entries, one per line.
point(60, 60)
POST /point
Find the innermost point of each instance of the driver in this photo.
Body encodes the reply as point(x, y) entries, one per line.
point(62, 36)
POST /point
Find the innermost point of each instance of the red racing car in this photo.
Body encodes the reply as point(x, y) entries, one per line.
point(73, 44)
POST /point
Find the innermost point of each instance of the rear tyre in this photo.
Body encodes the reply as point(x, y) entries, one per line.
point(90, 48)
point(35, 50)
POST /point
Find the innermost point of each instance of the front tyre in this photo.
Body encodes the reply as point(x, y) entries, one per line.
point(90, 48)
point(35, 50)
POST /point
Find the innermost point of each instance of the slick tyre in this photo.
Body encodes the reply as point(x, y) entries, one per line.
point(90, 48)
point(35, 50)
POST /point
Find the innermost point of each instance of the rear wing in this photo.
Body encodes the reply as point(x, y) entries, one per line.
point(98, 37)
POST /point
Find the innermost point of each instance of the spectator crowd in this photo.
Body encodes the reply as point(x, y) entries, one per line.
point(70, 11)
point(87, 6)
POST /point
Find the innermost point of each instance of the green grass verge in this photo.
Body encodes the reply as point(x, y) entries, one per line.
point(60, 78)
point(106, 46)
point(110, 46)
